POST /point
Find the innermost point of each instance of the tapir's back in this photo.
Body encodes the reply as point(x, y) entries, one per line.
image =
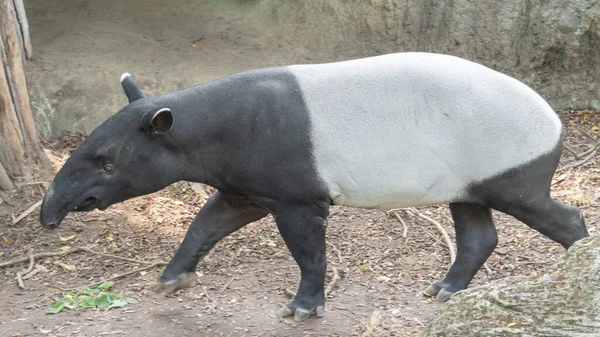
point(418, 128)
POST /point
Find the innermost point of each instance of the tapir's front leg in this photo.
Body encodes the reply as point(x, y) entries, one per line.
point(221, 215)
point(303, 230)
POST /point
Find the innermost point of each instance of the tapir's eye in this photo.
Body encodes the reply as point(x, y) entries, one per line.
point(108, 168)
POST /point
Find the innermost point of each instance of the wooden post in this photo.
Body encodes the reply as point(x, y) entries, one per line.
point(19, 144)
point(24, 28)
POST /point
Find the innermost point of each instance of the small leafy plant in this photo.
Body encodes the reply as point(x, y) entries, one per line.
point(96, 296)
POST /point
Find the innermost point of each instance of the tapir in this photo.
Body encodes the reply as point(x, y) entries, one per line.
point(397, 130)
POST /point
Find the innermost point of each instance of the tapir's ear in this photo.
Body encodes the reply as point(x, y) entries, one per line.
point(132, 91)
point(158, 121)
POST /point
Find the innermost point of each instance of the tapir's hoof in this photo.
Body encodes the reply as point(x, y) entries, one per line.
point(182, 281)
point(301, 314)
point(440, 294)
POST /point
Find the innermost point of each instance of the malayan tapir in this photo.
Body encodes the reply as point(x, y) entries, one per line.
point(398, 130)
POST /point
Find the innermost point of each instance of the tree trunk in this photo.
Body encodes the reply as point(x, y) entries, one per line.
point(19, 144)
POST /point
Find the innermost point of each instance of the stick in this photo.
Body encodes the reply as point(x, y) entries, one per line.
point(227, 285)
point(440, 228)
point(155, 264)
point(20, 281)
point(26, 213)
point(40, 255)
point(334, 279)
point(289, 292)
point(404, 227)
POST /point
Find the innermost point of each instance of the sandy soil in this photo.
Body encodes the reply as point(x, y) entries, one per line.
point(245, 280)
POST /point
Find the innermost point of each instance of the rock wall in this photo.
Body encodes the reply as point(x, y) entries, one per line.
point(81, 48)
point(554, 46)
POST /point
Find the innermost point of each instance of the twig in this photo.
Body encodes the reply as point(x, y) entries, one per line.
point(579, 163)
point(227, 285)
point(487, 269)
point(41, 255)
point(440, 228)
point(289, 292)
point(568, 148)
point(43, 183)
point(207, 295)
point(336, 212)
point(155, 264)
point(115, 256)
point(5, 331)
point(431, 235)
point(334, 279)
point(337, 252)
point(31, 263)
point(417, 320)
point(26, 213)
point(20, 281)
point(404, 227)
point(70, 251)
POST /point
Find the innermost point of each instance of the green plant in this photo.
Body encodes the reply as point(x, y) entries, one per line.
point(96, 296)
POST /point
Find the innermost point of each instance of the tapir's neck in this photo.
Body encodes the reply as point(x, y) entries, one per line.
point(211, 123)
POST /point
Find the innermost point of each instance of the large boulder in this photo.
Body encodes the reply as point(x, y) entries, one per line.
point(562, 300)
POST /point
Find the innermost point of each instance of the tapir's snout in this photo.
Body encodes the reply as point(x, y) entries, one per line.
point(50, 214)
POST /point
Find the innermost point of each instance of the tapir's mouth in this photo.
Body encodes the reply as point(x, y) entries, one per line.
point(87, 204)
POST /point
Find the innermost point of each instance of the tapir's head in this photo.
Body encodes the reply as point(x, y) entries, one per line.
point(131, 154)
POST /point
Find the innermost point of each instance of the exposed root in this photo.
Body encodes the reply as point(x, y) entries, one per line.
point(31, 263)
point(581, 162)
point(334, 279)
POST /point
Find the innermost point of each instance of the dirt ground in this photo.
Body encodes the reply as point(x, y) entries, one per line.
point(246, 278)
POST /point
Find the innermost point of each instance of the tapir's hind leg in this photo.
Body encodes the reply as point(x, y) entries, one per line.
point(561, 223)
point(476, 238)
point(524, 192)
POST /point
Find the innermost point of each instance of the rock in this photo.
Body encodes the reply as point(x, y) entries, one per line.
point(563, 300)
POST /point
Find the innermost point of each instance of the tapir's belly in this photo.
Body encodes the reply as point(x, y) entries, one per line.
point(414, 129)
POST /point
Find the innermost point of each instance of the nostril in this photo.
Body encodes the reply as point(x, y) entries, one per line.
point(51, 225)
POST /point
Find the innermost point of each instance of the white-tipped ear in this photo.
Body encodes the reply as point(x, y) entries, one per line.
point(124, 76)
point(132, 90)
